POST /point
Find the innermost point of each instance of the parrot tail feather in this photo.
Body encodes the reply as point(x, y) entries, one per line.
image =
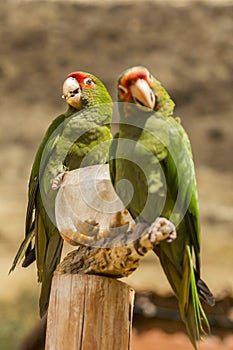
point(29, 257)
point(23, 250)
point(190, 306)
point(52, 259)
point(204, 292)
point(189, 289)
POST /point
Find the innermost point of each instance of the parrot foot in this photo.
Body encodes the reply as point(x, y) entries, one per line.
point(162, 229)
point(57, 181)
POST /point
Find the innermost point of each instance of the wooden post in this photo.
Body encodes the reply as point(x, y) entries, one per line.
point(89, 312)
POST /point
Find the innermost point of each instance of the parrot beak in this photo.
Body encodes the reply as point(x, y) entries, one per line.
point(142, 94)
point(72, 93)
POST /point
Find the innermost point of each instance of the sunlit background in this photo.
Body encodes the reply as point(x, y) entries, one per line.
point(187, 46)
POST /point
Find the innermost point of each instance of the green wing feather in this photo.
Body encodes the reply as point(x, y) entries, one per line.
point(182, 271)
point(25, 250)
point(38, 224)
point(162, 149)
point(112, 158)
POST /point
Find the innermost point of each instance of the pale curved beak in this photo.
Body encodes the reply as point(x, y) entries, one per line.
point(72, 92)
point(142, 94)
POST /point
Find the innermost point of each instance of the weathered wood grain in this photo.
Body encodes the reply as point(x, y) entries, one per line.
point(89, 312)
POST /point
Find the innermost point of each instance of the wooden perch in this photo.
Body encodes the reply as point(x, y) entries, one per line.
point(89, 313)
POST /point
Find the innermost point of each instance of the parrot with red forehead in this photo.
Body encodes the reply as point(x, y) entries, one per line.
point(77, 138)
point(153, 153)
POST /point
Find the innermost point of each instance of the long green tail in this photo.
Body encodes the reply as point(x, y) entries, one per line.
point(189, 302)
point(187, 289)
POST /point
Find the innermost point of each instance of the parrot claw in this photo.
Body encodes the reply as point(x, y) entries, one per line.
point(57, 181)
point(162, 229)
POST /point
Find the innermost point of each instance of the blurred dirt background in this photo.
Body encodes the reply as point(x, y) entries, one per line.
point(185, 44)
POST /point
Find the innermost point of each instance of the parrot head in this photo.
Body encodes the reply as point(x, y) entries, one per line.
point(83, 90)
point(136, 85)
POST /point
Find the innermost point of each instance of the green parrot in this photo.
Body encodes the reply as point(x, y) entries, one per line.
point(77, 138)
point(153, 153)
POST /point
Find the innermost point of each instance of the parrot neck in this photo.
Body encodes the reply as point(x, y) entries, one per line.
point(132, 120)
point(130, 131)
point(70, 110)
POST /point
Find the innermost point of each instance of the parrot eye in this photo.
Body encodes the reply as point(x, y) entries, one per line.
point(122, 89)
point(88, 81)
point(149, 76)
